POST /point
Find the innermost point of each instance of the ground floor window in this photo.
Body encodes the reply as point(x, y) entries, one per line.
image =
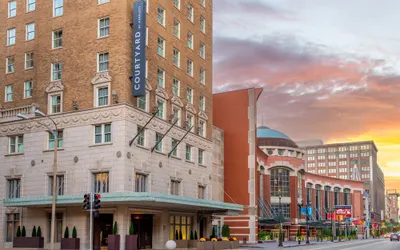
point(181, 225)
point(58, 226)
point(277, 209)
point(12, 224)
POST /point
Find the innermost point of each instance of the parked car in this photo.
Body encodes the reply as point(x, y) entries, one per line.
point(387, 236)
point(395, 236)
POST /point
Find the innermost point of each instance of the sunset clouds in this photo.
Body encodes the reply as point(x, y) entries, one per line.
point(329, 70)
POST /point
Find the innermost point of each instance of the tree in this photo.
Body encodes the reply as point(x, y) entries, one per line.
point(176, 235)
point(225, 231)
point(213, 235)
point(191, 235)
point(23, 233)
point(66, 233)
point(131, 229)
point(115, 228)
point(39, 232)
point(34, 231)
point(74, 232)
point(180, 235)
point(195, 235)
point(19, 231)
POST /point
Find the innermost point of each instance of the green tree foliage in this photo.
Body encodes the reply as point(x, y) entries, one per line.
point(225, 231)
point(39, 232)
point(115, 228)
point(66, 233)
point(34, 231)
point(74, 232)
point(23, 233)
point(19, 231)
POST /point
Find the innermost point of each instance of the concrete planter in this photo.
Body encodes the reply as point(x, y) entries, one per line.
point(206, 245)
point(181, 243)
point(70, 243)
point(218, 245)
point(131, 242)
point(28, 242)
point(114, 242)
point(192, 243)
point(234, 244)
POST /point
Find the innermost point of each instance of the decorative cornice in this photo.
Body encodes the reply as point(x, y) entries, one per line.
point(203, 115)
point(55, 86)
point(190, 108)
point(101, 77)
point(162, 93)
point(177, 101)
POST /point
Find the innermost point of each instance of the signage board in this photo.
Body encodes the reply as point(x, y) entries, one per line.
point(343, 210)
point(139, 49)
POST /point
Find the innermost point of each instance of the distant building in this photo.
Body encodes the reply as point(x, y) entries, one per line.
point(338, 160)
point(393, 207)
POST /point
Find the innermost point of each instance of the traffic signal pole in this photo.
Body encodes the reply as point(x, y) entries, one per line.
point(91, 221)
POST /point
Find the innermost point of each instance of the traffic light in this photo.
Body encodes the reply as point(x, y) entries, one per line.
point(356, 228)
point(86, 202)
point(96, 204)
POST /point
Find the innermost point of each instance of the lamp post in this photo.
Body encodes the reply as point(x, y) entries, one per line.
point(308, 225)
point(280, 221)
point(332, 225)
point(53, 205)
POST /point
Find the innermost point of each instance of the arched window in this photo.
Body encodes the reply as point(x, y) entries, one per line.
point(299, 186)
point(318, 200)
point(337, 196)
point(346, 194)
point(280, 182)
point(327, 197)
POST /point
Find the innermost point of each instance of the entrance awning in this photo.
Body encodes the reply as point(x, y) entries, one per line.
point(139, 199)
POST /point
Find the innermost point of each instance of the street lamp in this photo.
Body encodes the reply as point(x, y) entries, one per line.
point(53, 206)
point(280, 221)
point(308, 225)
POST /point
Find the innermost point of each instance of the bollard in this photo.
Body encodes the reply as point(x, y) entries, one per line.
point(244, 240)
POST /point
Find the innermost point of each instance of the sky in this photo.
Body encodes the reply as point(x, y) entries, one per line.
point(330, 69)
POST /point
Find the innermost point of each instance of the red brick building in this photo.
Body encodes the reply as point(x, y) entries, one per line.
point(265, 172)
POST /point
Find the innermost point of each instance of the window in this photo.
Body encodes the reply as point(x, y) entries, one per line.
point(101, 182)
point(190, 13)
point(58, 7)
point(181, 224)
point(188, 152)
point(189, 95)
point(9, 93)
point(102, 133)
point(59, 139)
point(161, 46)
point(311, 165)
point(161, 77)
point(60, 185)
point(55, 104)
point(12, 221)
point(56, 71)
point(140, 182)
point(342, 156)
point(12, 8)
point(332, 163)
point(280, 182)
point(203, 2)
point(202, 50)
point(177, 4)
point(177, 114)
point(327, 199)
point(202, 104)
point(201, 128)
point(202, 24)
point(177, 60)
point(142, 102)
point(353, 155)
point(161, 15)
point(175, 187)
point(321, 164)
point(103, 1)
point(310, 158)
point(58, 226)
point(30, 31)
point(175, 86)
point(147, 5)
point(31, 5)
point(336, 196)
point(201, 192)
point(102, 96)
point(189, 66)
point(103, 62)
point(28, 89)
point(14, 188)
point(177, 28)
point(10, 64)
point(29, 60)
point(321, 157)
point(299, 186)
point(190, 39)
point(11, 36)
point(332, 171)
point(321, 150)
point(159, 147)
point(104, 27)
point(282, 208)
point(201, 157)
point(332, 157)
point(174, 147)
point(347, 196)
point(189, 120)
point(321, 171)
point(57, 39)
point(160, 106)
point(202, 76)
point(141, 139)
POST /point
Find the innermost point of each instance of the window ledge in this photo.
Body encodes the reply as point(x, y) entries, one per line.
point(102, 37)
point(13, 154)
point(158, 152)
point(203, 166)
point(29, 68)
point(142, 147)
point(100, 144)
point(191, 162)
point(56, 48)
point(52, 150)
point(176, 158)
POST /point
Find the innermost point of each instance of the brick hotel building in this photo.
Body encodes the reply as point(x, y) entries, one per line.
point(339, 159)
point(74, 63)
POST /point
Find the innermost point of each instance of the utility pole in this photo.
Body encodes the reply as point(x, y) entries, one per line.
point(91, 221)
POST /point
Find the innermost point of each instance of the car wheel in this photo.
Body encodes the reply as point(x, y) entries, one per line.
point(390, 239)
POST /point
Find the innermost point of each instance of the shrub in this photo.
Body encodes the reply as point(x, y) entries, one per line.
point(19, 231)
point(180, 235)
point(225, 231)
point(115, 228)
point(131, 229)
point(34, 231)
point(23, 233)
point(195, 235)
point(66, 233)
point(74, 232)
point(262, 235)
point(176, 235)
point(191, 235)
point(213, 235)
point(39, 232)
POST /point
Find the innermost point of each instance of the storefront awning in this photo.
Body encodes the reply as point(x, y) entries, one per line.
point(144, 199)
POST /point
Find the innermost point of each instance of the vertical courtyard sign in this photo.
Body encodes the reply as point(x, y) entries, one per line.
point(139, 49)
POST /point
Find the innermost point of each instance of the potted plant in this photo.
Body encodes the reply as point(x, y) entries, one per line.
point(114, 239)
point(192, 243)
point(234, 243)
point(70, 243)
point(36, 241)
point(298, 236)
point(180, 243)
point(131, 240)
point(205, 244)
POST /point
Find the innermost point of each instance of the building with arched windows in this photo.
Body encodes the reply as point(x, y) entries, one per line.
point(265, 172)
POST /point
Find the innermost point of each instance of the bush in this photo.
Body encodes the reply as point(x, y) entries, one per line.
point(191, 235)
point(23, 233)
point(39, 232)
point(66, 233)
point(176, 235)
point(180, 235)
point(131, 229)
point(19, 231)
point(195, 235)
point(34, 231)
point(262, 235)
point(74, 232)
point(225, 230)
point(115, 228)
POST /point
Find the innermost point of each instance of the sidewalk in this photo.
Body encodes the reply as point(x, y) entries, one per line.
point(286, 244)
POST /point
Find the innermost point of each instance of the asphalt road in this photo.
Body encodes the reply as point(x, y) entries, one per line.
point(373, 244)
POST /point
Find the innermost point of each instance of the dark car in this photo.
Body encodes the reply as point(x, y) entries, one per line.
point(395, 236)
